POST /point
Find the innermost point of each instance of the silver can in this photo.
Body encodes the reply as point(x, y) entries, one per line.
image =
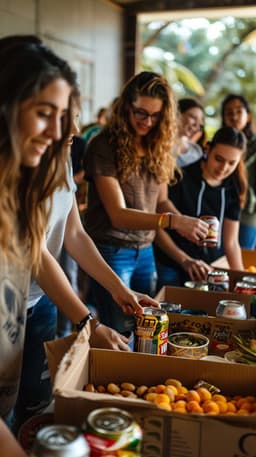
point(218, 281)
point(60, 441)
point(232, 309)
point(169, 307)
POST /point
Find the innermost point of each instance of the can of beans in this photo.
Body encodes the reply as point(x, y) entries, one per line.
point(60, 441)
point(152, 331)
point(113, 432)
point(212, 237)
point(218, 281)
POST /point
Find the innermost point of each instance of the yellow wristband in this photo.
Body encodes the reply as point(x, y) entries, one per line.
point(162, 219)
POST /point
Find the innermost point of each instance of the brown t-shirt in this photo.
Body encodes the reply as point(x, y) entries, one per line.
point(140, 192)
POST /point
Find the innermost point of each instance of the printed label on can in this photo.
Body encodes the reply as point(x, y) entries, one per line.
point(213, 231)
point(152, 332)
point(113, 432)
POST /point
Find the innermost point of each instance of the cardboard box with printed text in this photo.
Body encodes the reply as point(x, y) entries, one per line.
point(165, 434)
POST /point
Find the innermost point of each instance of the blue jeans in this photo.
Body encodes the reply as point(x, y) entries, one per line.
point(168, 276)
point(35, 391)
point(247, 236)
point(136, 268)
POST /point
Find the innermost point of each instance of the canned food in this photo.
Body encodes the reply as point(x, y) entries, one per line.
point(170, 307)
point(113, 432)
point(243, 287)
point(60, 441)
point(218, 281)
point(249, 280)
point(233, 309)
point(212, 237)
point(152, 331)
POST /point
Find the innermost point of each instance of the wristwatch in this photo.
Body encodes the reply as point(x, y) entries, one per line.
point(83, 322)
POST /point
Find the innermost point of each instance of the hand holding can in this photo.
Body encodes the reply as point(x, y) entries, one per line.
point(212, 237)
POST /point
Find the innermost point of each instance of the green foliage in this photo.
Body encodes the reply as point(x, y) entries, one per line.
point(204, 58)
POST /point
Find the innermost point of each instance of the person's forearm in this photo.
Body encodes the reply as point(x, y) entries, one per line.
point(55, 284)
point(9, 446)
point(234, 256)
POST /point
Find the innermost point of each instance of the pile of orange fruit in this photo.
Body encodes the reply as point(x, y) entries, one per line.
point(173, 396)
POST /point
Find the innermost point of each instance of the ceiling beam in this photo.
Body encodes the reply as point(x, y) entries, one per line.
point(142, 6)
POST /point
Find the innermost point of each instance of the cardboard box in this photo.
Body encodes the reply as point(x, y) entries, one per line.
point(200, 299)
point(165, 434)
point(220, 331)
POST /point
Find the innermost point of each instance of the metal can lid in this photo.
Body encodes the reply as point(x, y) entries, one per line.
point(217, 273)
point(110, 421)
point(230, 303)
point(245, 285)
point(153, 312)
point(61, 437)
point(249, 279)
point(170, 307)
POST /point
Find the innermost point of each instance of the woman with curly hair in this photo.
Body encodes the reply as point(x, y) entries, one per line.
point(128, 166)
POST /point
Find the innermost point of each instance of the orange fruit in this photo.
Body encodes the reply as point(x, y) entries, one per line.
point(223, 406)
point(165, 406)
point(180, 404)
point(160, 388)
point(219, 397)
point(193, 395)
point(161, 398)
point(194, 407)
point(173, 388)
point(170, 393)
point(204, 393)
point(173, 382)
point(210, 407)
point(231, 407)
point(182, 390)
point(150, 396)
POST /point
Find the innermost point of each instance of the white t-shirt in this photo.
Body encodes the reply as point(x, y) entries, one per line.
point(61, 207)
point(193, 153)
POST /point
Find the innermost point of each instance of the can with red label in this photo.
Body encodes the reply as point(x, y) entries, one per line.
point(212, 237)
point(152, 331)
point(243, 287)
point(113, 432)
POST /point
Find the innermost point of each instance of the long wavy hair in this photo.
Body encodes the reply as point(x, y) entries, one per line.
point(158, 142)
point(248, 129)
point(232, 137)
point(25, 192)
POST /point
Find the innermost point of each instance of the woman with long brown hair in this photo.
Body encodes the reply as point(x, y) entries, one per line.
point(128, 166)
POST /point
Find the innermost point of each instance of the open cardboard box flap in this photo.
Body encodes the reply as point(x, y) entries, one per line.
point(163, 432)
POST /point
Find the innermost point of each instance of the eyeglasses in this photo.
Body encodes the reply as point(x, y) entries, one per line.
point(141, 115)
